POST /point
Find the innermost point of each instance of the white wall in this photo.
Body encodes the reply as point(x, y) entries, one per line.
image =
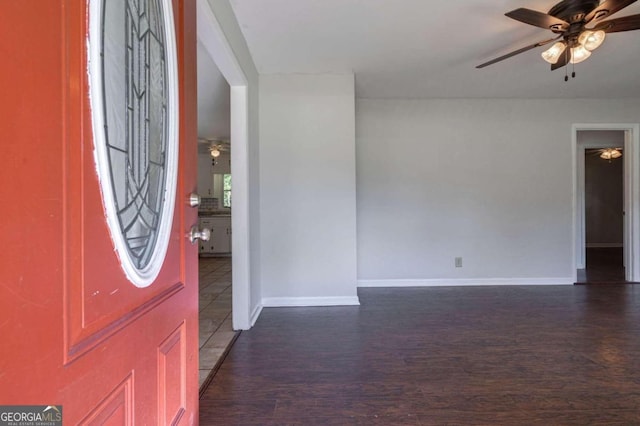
point(223, 163)
point(601, 138)
point(213, 99)
point(307, 177)
point(204, 175)
point(484, 179)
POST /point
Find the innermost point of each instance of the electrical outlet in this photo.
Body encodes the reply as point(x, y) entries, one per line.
point(458, 262)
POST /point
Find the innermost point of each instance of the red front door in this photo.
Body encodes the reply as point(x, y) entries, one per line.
point(75, 331)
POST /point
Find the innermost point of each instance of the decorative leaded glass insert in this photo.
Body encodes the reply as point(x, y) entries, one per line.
point(134, 106)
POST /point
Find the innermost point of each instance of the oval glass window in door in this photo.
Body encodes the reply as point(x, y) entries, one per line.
point(134, 102)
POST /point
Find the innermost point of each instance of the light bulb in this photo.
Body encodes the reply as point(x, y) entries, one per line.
point(215, 153)
point(591, 40)
point(579, 54)
point(610, 154)
point(552, 54)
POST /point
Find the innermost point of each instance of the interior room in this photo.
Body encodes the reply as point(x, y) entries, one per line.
point(421, 172)
point(321, 212)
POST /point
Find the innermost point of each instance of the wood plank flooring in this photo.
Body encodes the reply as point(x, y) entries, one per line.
point(552, 355)
point(604, 266)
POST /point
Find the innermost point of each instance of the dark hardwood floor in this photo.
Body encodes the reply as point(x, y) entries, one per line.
point(604, 266)
point(550, 355)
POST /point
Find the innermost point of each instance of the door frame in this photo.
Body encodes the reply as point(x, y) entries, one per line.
point(212, 37)
point(631, 195)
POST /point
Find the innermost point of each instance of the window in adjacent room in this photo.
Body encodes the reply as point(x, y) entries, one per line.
point(226, 191)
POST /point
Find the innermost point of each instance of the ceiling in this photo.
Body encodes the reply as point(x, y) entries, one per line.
point(429, 49)
point(213, 100)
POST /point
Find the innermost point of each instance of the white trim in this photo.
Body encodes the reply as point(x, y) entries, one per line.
point(604, 245)
point(577, 204)
point(213, 39)
point(240, 268)
point(277, 302)
point(147, 275)
point(631, 197)
point(255, 314)
point(459, 282)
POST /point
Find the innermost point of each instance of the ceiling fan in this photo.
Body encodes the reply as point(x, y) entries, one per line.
point(568, 20)
point(608, 154)
point(215, 147)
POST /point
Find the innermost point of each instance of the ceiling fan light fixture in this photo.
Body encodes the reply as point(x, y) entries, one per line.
point(610, 154)
point(568, 20)
point(552, 54)
point(215, 152)
point(579, 54)
point(591, 40)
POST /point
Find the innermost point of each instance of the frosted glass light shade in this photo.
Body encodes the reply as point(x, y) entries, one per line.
point(610, 154)
point(591, 40)
point(579, 54)
point(552, 54)
point(215, 153)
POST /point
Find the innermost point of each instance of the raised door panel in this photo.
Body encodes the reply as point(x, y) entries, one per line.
point(172, 377)
point(116, 408)
point(101, 300)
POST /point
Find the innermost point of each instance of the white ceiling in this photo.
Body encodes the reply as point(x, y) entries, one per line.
point(213, 99)
point(429, 49)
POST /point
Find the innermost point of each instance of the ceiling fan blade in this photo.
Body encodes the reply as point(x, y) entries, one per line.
point(563, 60)
point(517, 52)
point(538, 19)
point(627, 23)
point(607, 8)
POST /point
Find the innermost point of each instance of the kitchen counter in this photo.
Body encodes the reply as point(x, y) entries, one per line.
point(215, 213)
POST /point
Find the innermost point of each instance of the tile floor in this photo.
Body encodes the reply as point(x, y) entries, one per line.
point(216, 331)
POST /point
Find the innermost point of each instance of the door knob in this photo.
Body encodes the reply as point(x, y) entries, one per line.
point(194, 199)
point(197, 234)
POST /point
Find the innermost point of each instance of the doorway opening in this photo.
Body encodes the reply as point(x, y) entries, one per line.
point(213, 39)
point(606, 203)
point(604, 207)
point(215, 287)
point(227, 276)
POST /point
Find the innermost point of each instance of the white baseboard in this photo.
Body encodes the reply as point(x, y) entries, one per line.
point(255, 314)
point(277, 302)
point(604, 245)
point(455, 282)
